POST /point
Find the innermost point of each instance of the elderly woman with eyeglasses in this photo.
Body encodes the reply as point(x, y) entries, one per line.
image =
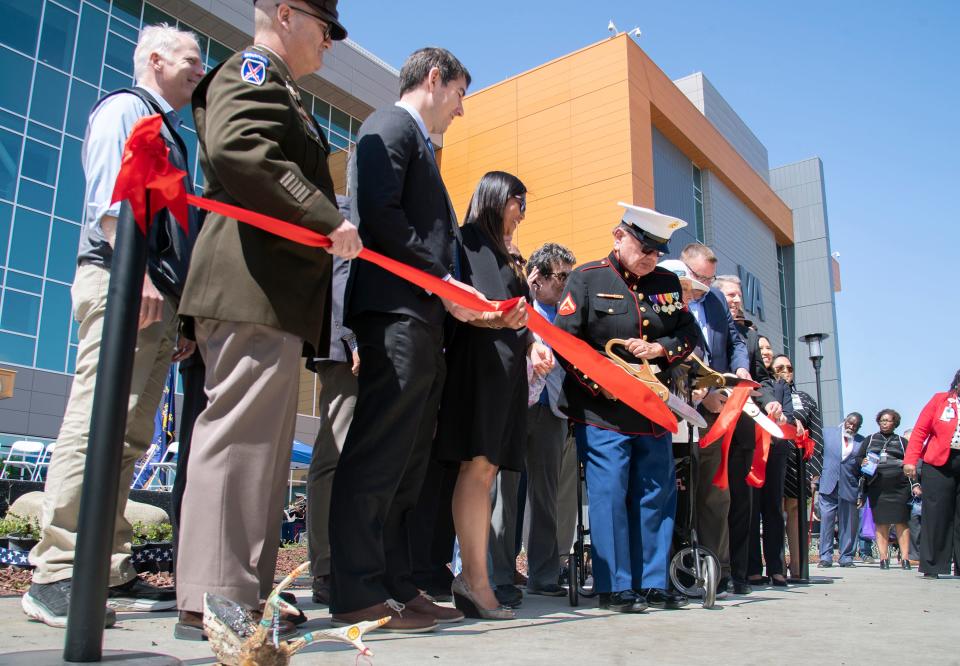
point(887, 487)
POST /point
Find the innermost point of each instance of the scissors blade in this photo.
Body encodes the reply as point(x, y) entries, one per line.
point(751, 409)
point(685, 411)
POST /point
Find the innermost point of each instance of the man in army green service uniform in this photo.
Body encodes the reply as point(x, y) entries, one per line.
point(256, 300)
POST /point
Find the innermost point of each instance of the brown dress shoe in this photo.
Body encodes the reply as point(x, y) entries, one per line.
point(402, 620)
point(442, 614)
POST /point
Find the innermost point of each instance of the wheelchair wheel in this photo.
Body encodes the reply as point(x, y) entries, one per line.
point(695, 574)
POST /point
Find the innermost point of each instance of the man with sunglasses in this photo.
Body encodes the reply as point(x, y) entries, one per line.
point(255, 301)
point(726, 352)
point(631, 484)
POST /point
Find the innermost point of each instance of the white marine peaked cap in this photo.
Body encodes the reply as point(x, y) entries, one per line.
point(649, 226)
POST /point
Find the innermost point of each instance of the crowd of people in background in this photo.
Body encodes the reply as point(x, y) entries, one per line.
point(434, 415)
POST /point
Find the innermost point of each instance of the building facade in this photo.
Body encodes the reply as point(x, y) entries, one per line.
point(605, 124)
point(58, 57)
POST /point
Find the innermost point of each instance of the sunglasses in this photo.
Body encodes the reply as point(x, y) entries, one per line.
point(522, 200)
point(783, 368)
point(646, 250)
point(326, 26)
point(561, 276)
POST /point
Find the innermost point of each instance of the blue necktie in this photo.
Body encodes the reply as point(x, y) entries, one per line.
point(433, 153)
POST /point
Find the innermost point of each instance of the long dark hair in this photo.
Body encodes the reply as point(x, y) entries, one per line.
point(955, 384)
point(488, 203)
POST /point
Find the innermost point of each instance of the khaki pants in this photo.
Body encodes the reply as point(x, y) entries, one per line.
point(239, 461)
point(53, 555)
point(338, 397)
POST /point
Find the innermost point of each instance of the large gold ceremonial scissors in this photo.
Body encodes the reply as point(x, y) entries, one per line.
point(646, 374)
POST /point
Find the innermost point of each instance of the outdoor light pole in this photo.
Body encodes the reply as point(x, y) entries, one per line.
point(815, 349)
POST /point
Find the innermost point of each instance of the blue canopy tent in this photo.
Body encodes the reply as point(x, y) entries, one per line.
point(299, 459)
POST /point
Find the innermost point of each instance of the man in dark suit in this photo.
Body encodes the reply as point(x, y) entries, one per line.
point(838, 489)
point(337, 379)
point(404, 212)
point(726, 352)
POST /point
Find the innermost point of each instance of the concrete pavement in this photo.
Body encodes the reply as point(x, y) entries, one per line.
point(861, 614)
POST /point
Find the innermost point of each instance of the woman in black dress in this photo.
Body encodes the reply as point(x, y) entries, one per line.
point(482, 423)
point(888, 489)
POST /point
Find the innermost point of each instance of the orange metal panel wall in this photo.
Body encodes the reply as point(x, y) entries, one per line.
point(564, 129)
point(577, 131)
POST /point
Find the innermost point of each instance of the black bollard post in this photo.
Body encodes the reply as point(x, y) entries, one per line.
point(108, 422)
point(804, 547)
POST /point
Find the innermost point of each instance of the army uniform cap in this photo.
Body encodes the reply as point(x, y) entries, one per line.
point(650, 227)
point(327, 10)
point(682, 272)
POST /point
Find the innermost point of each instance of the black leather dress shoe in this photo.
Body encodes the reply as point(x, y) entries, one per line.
point(740, 587)
point(663, 598)
point(508, 595)
point(627, 601)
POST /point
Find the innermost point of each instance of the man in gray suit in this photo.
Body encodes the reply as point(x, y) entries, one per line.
point(838, 489)
point(547, 271)
point(337, 377)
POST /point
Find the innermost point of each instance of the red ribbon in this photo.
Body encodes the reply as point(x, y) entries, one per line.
point(724, 426)
point(757, 475)
point(803, 442)
point(146, 166)
point(141, 170)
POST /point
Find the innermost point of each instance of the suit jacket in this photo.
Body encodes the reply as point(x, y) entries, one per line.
point(402, 210)
point(840, 476)
point(728, 351)
point(262, 151)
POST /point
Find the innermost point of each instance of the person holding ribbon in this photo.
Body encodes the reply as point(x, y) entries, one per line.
point(769, 500)
point(936, 441)
point(886, 485)
point(801, 410)
point(631, 485)
point(482, 423)
point(256, 301)
point(167, 64)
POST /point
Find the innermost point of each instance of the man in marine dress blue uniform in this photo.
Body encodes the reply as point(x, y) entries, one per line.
point(631, 485)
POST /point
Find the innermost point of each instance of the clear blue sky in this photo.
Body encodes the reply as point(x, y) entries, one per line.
point(870, 88)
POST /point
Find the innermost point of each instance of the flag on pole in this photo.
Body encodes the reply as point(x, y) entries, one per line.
point(164, 429)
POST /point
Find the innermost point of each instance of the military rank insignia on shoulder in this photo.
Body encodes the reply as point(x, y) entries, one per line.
point(568, 307)
point(253, 68)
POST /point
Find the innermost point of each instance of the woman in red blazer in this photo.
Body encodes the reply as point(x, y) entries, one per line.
point(936, 440)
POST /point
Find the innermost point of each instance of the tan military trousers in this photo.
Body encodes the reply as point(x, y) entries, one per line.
point(53, 555)
point(239, 461)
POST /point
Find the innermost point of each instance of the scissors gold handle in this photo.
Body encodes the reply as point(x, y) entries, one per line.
point(643, 371)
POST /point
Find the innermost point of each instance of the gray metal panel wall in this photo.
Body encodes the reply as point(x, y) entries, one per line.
point(711, 104)
point(801, 186)
point(740, 238)
point(38, 403)
point(673, 189)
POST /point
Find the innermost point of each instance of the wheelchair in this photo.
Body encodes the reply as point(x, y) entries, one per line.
point(579, 566)
point(694, 569)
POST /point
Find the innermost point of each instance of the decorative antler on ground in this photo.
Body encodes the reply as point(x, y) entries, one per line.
point(238, 640)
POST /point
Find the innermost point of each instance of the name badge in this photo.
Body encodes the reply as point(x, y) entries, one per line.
point(795, 400)
point(948, 413)
point(883, 457)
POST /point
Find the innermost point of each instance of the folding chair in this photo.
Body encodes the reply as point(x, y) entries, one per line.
point(44, 462)
point(140, 472)
point(167, 466)
point(27, 454)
